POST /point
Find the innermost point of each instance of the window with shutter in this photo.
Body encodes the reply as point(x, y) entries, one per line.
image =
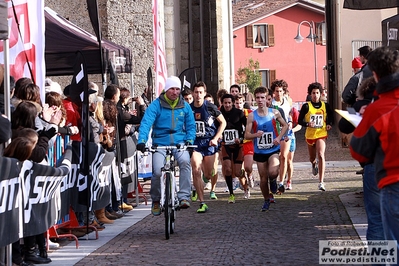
point(268, 76)
point(272, 75)
point(260, 35)
point(250, 36)
point(270, 34)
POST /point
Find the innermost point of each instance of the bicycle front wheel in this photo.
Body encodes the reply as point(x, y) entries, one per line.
point(168, 204)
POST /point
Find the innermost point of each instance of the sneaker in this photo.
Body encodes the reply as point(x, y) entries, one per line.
point(289, 186)
point(125, 207)
point(52, 244)
point(265, 206)
point(118, 213)
point(212, 195)
point(232, 198)
point(315, 168)
point(271, 198)
point(273, 186)
point(247, 194)
point(251, 181)
point(184, 204)
point(281, 188)
point(203, 208)
point(156, 208)
point(227, 189)
point(208, 186)
point(206, 180)
point(321, 186)
point(194, 196)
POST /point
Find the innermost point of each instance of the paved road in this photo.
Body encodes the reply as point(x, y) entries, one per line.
point(235, 234)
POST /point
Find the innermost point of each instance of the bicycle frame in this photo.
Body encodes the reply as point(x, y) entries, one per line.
point(169, 201)
point(167, 168)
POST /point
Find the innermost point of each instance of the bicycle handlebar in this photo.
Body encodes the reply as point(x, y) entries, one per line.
point(179, 147)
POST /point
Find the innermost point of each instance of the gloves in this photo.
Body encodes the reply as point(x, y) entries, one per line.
point(48, 133)
point(188, 143)
point(189, 149)
point(141, 147)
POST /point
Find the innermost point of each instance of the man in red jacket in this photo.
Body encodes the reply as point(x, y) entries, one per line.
point(376, 139)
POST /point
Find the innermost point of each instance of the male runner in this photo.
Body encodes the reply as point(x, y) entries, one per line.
point(261, 128)
point(210, 124)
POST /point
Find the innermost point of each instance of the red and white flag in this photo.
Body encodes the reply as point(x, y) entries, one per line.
point(161, 72)
point(27, 42)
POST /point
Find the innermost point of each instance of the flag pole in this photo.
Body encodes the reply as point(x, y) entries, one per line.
point(92, 7)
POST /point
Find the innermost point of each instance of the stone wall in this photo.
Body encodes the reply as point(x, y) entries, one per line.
point(129, 23)
point(199, 41)
point(125, 22)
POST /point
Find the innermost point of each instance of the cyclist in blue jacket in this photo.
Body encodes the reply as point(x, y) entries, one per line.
point(172, 122)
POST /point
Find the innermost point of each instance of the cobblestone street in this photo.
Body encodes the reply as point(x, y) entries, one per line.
point(240, 234)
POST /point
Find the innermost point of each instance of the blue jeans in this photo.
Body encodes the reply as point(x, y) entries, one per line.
point(371, 193)
point(183, 161)
point(390, 211)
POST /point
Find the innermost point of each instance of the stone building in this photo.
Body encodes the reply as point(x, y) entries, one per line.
point(196, 34)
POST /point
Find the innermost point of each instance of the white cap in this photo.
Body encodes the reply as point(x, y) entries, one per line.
point(172, 82)
point(52, 86)
point(93, 98)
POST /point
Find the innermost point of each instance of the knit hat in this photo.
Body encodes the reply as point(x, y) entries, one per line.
point(356, 63)
point(172, 82)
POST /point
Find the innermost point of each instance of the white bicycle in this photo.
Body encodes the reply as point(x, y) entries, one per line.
point(169, 201)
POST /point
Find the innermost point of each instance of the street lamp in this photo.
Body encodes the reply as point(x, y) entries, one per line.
point(311, 38)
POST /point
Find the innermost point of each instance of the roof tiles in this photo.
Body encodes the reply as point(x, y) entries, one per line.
point(245, 11)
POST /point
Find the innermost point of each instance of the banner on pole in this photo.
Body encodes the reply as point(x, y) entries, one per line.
point(27, 41)
point(161, 72)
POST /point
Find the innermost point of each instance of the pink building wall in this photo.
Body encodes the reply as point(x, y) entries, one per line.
point(293, 62)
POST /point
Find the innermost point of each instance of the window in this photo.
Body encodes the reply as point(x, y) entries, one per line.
point(260, 35)
point(321, 33)
point(268, 76)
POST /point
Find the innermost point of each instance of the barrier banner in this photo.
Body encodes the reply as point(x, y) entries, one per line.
point(40, 183)
point(74, 186)
point(33, 196)
point(100, 187)
point(128, 166)
point(10, 201)
point(28, 202)
point(94, 189)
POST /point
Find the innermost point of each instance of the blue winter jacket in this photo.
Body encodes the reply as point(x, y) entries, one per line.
point(169, 126)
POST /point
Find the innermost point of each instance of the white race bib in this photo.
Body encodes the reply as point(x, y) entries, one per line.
point(317, 119)
point(265, 141)
point(229, 136)
point(199, 128)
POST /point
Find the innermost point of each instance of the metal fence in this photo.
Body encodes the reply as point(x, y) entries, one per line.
point(356, 44)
